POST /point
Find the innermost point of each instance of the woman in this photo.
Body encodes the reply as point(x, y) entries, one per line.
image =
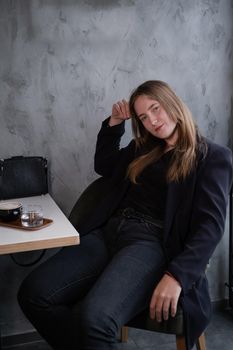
point(151, 236)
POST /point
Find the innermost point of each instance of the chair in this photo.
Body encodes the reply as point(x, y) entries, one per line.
point(171, 326)
point(88, 200)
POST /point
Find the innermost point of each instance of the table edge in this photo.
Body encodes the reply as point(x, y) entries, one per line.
point(40, 244)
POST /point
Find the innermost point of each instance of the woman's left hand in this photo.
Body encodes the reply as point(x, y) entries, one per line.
point(165, 298)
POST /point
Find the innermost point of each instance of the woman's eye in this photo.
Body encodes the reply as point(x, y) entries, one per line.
point(155, 109)
point(143, 118)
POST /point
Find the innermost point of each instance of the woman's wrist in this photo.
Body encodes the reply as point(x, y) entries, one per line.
point(114, 121)
point(170, 275)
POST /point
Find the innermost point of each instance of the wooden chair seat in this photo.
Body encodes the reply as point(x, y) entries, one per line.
point(173, 325)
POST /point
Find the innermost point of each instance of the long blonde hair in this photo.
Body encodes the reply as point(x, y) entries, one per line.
point(184, 155)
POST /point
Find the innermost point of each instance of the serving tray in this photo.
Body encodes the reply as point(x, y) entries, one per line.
point(17, 224)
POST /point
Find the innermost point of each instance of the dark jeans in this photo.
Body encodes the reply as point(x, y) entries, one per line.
point(82, 296)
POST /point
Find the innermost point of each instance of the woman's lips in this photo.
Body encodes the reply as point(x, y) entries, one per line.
point(158, 127)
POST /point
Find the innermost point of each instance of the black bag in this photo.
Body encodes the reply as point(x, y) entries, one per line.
point(23, 177)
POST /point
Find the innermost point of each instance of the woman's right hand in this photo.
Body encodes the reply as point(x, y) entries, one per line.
point(120, 112)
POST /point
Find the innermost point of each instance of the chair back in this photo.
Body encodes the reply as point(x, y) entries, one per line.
point(88, 201)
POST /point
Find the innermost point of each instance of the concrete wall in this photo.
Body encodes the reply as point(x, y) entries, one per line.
point(62, 65)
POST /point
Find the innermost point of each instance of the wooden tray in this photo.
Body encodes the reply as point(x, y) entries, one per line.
point(17, 224)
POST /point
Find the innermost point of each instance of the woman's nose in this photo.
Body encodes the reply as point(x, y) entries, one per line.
point(154, 122)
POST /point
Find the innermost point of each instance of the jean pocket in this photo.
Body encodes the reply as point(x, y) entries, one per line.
point(153, 229)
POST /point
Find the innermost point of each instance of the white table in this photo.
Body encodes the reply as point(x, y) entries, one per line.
point(58, 234)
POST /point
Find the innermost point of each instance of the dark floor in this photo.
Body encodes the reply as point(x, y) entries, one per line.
point(219, 336)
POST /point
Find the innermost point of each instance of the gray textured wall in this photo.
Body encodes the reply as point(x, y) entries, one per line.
point(62, 65)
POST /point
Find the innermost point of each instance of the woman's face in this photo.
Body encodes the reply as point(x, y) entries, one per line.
point(155, 119)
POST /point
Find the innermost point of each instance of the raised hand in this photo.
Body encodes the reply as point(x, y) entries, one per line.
point(120, 112)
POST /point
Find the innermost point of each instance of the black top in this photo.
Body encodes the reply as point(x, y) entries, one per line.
point(148, 196)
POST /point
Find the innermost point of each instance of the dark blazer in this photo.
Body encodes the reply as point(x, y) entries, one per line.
point(194, 218)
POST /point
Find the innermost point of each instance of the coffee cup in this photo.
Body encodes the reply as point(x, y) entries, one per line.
point(10, 211)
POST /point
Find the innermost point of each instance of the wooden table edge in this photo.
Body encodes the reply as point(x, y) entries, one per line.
point(40, 244)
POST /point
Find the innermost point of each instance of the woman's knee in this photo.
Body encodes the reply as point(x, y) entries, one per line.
point(30, 293)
